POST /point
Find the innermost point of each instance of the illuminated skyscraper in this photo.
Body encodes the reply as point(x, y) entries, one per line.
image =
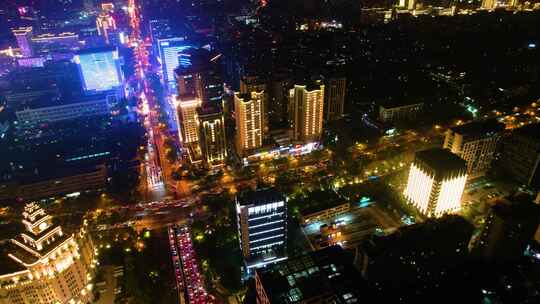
point(262, 226)
point(105, 25)
point(169, 52)
point(335, 97)
point(99, 69)
point(488, 4)
point(188, 118)
point(24, 40)
point(436, 182)
point(250, 84)
point(476, 143)
point(306, 110)
point(47, 264)
point(212, 135)
point(248, 110)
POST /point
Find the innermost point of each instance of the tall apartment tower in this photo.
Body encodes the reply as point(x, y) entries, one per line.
point(24, 40)
point(188, 119)
point(47, 265)
point(335, 89)
point(436, 182)
point(212, 135)
point(262, 226)
point(249, 116)
point(306, 104)
point(476, 143)
point(250, 84)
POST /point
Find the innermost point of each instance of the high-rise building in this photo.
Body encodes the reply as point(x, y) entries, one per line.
point(106, 26)
point(188, 82)
point(24, 40)
point(324, 276)
point(510, 226)
point(262, 226)
point(47, 265)
point(248, 110)
point(335, 89)
point(256, 84)
point(212, 135)
point(169, 52)
point(436, 182)
point(99, 69)
point(187, 119)
point(476, 143)
point(199, 73)
point(520, 156)
point(306, 110)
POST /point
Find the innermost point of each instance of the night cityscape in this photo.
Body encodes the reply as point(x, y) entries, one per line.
point(269, 151)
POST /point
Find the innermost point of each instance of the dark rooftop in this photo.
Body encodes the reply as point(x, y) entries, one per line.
point(259, 197)
point(517, 208)
point(441, 160)
point(531, 131)
point(96, 50)
point(325, 276)
point(209, 109)
point(479, 128)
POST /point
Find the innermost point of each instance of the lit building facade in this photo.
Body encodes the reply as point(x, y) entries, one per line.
point(188, 119)
point(476, 143)
point(391, 112)
point(262, 225)
point(24, 40)
point(169, 51)
point(99, 69)
point(47, 43)
point(34, 116)
point(105, 25)
point(248, 110)
point(306, 110)
point(212, 135)
point(250, 84)
point(436, 182)
point(49, 266)
point(335, 88)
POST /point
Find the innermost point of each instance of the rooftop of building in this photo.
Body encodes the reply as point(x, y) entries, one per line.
point(531, 131)
point(209, 109)
point(245, 97)
point(479, 128)
point(320, 200)
point(103, 49)
point(401, 102)
point(441, 159)
point(419, 236)
point(517, 208)
point(327, 275)
point(260, 197)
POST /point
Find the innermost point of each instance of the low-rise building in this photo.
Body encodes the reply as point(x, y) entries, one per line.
point(324, 213)
point(323, 276)
point(392, 112)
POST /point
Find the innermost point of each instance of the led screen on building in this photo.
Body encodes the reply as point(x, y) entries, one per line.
point(99, 70)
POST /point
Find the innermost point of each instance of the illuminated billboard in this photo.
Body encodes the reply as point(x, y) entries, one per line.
point(99, 70)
